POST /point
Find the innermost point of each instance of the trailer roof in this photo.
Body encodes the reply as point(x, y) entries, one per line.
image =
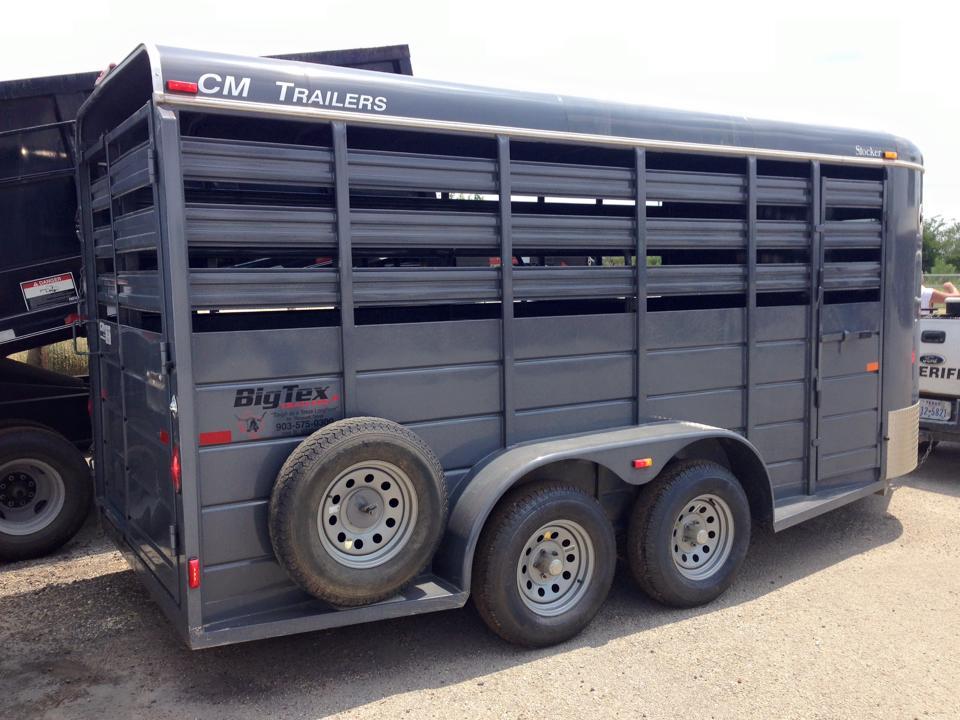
point(291, 88)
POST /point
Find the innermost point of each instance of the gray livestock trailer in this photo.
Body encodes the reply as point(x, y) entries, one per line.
point(369, 345)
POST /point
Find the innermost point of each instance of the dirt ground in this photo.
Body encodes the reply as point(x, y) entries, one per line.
point(851, 615)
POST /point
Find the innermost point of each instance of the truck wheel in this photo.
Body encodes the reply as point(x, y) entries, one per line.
point(45, 491)
point(544, 564)
point(358, 510)
point(689, 533)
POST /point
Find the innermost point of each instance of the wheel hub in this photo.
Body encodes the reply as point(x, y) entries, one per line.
point(555, 568)
point(367, 514)
point(32, 494)
point(702, 537)
point(17, 489)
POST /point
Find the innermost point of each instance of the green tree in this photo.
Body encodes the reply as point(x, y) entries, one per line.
point(941, 243)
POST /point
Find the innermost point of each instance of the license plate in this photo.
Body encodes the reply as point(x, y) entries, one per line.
point(937, 410)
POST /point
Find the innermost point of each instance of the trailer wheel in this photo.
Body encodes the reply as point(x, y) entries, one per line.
point(358, 510)
point(689, 533)
point(45, 491)
point(544, 564)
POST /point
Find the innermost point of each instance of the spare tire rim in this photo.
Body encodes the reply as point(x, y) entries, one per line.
point(555, 568)
point(702, 537)
point(32, 495)
point(367, 514)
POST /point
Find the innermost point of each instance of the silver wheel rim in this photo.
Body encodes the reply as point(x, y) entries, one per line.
point(555, 568)
point(702, 537)
point(32, 494)
point(368, 514)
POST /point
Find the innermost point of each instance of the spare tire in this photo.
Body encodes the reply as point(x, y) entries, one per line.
point(358, 510)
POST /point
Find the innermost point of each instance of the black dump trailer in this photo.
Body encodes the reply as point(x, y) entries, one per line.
point(367, 345)
point(45, 489)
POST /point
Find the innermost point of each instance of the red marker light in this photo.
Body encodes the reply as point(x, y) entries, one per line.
point(182, 86)
point(193, 573)
point(643, 463)
point(175, 469)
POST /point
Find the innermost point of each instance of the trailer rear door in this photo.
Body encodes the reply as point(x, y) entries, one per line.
point(847, 430)
point(133, 407)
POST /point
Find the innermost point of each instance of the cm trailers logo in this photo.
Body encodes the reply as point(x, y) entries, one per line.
point(287, 92)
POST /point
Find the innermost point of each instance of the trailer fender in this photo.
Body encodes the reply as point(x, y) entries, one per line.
point(616, 450)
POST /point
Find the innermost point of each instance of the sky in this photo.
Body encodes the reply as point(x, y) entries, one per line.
point(892, 67)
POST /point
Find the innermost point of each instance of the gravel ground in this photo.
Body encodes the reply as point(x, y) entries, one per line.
point(851, 615)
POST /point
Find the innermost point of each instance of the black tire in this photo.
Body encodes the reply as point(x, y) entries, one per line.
point(27, 446)
point(318, 466)
point(497, 594)
point(652, 544)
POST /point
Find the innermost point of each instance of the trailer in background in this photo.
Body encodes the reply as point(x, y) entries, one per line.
point(45, 488)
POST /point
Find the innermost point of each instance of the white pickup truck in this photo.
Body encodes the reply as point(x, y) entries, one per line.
point(939, 359)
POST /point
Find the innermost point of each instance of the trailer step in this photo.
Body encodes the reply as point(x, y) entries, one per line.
point(427, 594)
point(797, 509)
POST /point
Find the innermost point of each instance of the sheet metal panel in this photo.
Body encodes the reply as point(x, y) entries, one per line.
point(852, 193)
point(246, 471)
point(852, 234)
point(841, 433)
point(555, 179)
point(782, 323)
point(574, 232)
point(140, 290)
point(693, 328)
point(540, 283)
point(135, 231)
point(558, 336)
point(419, 286)
point(412, 345)
point(780, 402)
point(848, 394)
point(722, 408)
point(461, 442)
point(780, 441)
point(430, 229)
point(221, 357)
point(786, 478)
point(255, 162)
point(235, 532)
point(261, 227)
point(263, 288)
point(780, 361)
point(132, 171)
point(687, 370)
point(394, 170)
point(430, 393)
point(570, 380)
point(679, 186)
point(547, 422)
point(772, 190)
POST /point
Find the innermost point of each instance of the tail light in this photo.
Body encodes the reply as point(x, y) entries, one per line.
point(175, 472)
point(193, 573)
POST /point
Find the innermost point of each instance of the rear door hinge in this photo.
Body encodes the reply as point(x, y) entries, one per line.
point(166, 363)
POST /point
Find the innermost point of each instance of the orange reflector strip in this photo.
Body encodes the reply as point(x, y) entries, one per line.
point(182, 86)
point(873, 367)
point(642, 463)
point(193, 573)
point(890, 154)
point(218, 437)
